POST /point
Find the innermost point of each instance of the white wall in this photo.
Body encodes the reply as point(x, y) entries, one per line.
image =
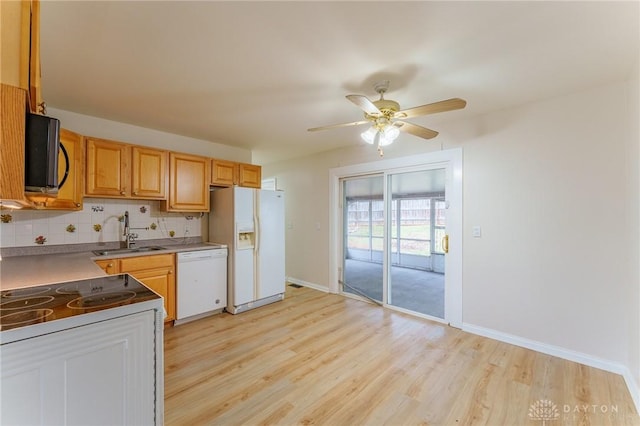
point(548, 184)
point(633, 225)
point(106, 129)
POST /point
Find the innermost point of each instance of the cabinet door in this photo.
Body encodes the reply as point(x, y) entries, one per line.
point(156, 272)
point(188, 183)
point(223, 173)
point(70, 195)
point(35, 87)
point(250, 175)
point(107, 168)
point(162, 281)
point(149, 173)
point(110, 266)
point(13, 103)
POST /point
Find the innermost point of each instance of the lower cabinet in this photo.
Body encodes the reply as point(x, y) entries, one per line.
point(156, 272)
point(99, 374)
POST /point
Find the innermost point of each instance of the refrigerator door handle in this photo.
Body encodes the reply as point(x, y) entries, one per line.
point(256, 220)
point(256, 253)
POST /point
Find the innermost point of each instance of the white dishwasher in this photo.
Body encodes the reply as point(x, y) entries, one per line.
point(201, 284)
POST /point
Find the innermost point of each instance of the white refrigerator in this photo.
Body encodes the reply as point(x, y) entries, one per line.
point(251, 223)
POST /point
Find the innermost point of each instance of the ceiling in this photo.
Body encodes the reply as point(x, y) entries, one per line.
point(256, 75)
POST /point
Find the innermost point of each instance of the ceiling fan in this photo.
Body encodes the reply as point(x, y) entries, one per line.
point(387, 119)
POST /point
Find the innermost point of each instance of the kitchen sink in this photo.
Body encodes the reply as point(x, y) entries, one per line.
point(127, 250)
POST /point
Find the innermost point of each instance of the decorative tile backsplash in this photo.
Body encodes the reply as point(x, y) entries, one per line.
point(101, 220)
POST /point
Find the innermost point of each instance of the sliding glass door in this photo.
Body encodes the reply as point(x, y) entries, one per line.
point(363, 237)
point(405, 269)
point(416, 278)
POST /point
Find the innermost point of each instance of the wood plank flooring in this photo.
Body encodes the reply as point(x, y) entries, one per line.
point(322, 359)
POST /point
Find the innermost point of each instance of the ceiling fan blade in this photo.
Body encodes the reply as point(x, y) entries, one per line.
point(416, 130)
point(364, 104)
point(442, 106)
point(335, 126)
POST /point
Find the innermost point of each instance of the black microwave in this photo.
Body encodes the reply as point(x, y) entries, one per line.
point(42, 146)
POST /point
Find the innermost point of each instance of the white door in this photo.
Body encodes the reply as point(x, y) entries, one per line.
point(270, 243)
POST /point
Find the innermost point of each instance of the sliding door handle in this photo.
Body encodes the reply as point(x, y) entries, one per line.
point(445, 244)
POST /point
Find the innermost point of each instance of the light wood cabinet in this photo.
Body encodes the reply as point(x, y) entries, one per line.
point(119, 170)
point(249, 175)
point(110, 266)
point(13, 104)
point(107, 168)
point(70, 194)
point(229, 173)
point(148, 173)
point(223, 173)
point(188, 183)
point(36, 103)
point(20, 49)
point(156, 272)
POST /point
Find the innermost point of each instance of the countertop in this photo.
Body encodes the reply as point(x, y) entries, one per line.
point(29, 271)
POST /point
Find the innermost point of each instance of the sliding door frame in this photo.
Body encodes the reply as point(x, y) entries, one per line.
point(451, 161)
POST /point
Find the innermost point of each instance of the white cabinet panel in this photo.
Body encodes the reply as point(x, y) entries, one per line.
point(97, 374)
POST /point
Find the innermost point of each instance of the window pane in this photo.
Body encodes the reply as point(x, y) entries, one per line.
point(440, 213)
point(437, 244)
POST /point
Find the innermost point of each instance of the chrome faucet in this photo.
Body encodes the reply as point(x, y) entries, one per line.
point(128, 240)
point(129, 237)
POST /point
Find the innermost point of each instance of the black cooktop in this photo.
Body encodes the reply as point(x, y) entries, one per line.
point(34, 305)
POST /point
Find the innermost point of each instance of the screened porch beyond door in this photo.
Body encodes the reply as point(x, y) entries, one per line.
point(414, 289)
point(417, 257)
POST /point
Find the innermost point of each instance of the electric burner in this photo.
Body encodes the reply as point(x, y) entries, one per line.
point(35, 305)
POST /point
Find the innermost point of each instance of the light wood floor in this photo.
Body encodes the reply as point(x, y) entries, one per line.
point(323, 359)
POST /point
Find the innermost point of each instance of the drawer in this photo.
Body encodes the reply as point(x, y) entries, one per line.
point(146, 262)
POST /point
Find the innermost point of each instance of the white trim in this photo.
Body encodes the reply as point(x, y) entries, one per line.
point(450, 159)
point(560, 352)
point(308, 284)
point(633, 386)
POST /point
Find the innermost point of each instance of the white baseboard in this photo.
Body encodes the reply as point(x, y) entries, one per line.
point(563, 353)
point(308, 284)
point(633, 386)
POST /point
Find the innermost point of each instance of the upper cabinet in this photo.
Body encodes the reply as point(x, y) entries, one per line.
point(229, 173)
point(188, 183)
point(250, 175)
point(118, 170)
point(223, 173)
point(12, 157)
point(20, 49)
point(70, 175)
point(148, 173)
point(36, 103)
point(107, 168)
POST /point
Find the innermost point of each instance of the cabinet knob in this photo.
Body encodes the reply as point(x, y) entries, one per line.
point(77, 204)
point(110, 265)
point(135, 192)
point(122, 192)
point(170, 271)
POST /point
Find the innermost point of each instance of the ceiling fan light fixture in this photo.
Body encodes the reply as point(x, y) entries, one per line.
point(384, 141)
point(369, 135)
point(391, 133)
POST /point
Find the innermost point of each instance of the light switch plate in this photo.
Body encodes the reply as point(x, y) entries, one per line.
point(476, 232)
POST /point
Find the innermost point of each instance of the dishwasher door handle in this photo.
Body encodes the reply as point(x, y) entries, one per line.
point(193, 258)
point(201, 255)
